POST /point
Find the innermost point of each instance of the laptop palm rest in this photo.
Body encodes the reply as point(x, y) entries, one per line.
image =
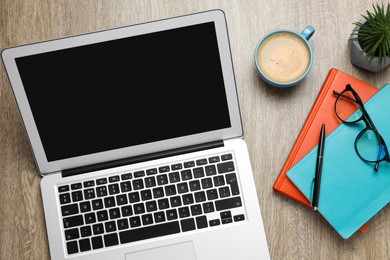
point(172, 252)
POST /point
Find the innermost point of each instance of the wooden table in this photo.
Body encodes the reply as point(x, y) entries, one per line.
point(272, 117)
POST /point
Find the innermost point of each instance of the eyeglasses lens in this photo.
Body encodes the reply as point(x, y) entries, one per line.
point(346, 105)
point(370, 147)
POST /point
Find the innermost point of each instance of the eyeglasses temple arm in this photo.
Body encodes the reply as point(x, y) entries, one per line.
point(339, 94)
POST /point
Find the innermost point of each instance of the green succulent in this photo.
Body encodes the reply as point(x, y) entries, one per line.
point(373, 34)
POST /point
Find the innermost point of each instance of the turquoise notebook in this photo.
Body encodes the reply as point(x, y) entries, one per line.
point(351, 191)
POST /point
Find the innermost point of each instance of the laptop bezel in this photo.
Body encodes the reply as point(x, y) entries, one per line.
point(217, 16)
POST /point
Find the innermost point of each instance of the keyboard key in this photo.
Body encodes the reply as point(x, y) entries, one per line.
point(126, 211)
point(126, 176)
point(89, 194)
point(159, 217)
point(194, 185)
point(72, 247)
point(214, 159)
point(90, 218)
point(214, 222)
point(231, 179)
point(109, 202)
point(201, 222)
point(184, 212)
point(101, 191)
point(138, 184)
point(219, 180)
point(225, 167)
point(170, 190)
point(171, 214)
point(198, 172)
point(110, 226)
point(175, 201)
point(97, 204)
point(150, 182)
point(212, 194)
point(228, 203)
point(158, 230)
point(207, 183)
point(134, 197)
point(111, 240)
point(189, 164)
point(69, 209)
point(85, 245)
point(158, 192)
point(186, 175)
point(86, 231)
point(63, 188)
point(114, 213)
point(187, 224)
point(240, 217)
point(147, 219)
point(114, 178)
point(151, 171)
point(224, 192)
point(139, 174)
point(113, 189)
point(97, 242)
point(135, 221)
point(146, 194)
point(200, 196)
point(163, 203)
point(226, 157)
point(182, 187)
point(72, 233)
point(73, 221)
point(77, 196)
point(188, 199)
point(210, 170)
point(102, 215)
point(139, 208)
point(98, 229)
point(227, 220)
point(85, 206)
point(151, 206)
point(76, 186)
point(125, 186)
point(163, 169)
point(121, 199)
point(196, 210)
point(208, 207)
point(122, 224)
point(201, 162)
point(174, 177)
point(101, 181)
point(89, 184)
point(162, 179)
point(64, 198)
point(176, 167)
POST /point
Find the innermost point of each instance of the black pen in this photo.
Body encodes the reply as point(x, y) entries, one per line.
point(320, 157)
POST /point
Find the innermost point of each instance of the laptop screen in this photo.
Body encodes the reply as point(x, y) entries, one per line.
point(127, 91)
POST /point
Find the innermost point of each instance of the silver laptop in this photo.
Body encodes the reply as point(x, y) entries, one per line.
point(137, 135)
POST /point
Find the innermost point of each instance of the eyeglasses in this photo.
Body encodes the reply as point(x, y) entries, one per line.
point(369, 144)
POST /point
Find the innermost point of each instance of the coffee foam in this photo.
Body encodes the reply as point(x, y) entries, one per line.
point(283, 57)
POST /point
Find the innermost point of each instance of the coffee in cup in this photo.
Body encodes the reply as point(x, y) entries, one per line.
point(283, 58)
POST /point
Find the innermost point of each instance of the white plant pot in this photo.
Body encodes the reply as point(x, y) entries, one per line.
point(359, 58)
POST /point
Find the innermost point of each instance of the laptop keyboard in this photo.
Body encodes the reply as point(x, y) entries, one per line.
point(148, 203)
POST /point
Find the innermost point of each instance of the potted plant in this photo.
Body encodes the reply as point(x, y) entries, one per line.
point(369, 43)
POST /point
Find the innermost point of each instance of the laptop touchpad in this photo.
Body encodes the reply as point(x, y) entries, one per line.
point(172, 252)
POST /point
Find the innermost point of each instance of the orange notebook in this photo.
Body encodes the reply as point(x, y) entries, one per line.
point(322, 111)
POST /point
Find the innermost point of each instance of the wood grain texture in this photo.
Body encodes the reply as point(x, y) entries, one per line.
point(272, 117)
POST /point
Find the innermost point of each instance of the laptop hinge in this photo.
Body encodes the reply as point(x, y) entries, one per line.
point(140, 158)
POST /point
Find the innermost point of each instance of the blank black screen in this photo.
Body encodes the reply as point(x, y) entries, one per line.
point(126, 92)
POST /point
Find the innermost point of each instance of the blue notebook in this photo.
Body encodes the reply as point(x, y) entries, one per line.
point(351, 191)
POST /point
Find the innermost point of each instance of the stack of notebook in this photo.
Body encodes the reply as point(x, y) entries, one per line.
point(345, 175)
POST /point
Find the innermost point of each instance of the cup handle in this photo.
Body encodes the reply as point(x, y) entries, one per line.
point(307, 32)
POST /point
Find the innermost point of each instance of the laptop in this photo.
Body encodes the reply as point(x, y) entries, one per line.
point(136, 132)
